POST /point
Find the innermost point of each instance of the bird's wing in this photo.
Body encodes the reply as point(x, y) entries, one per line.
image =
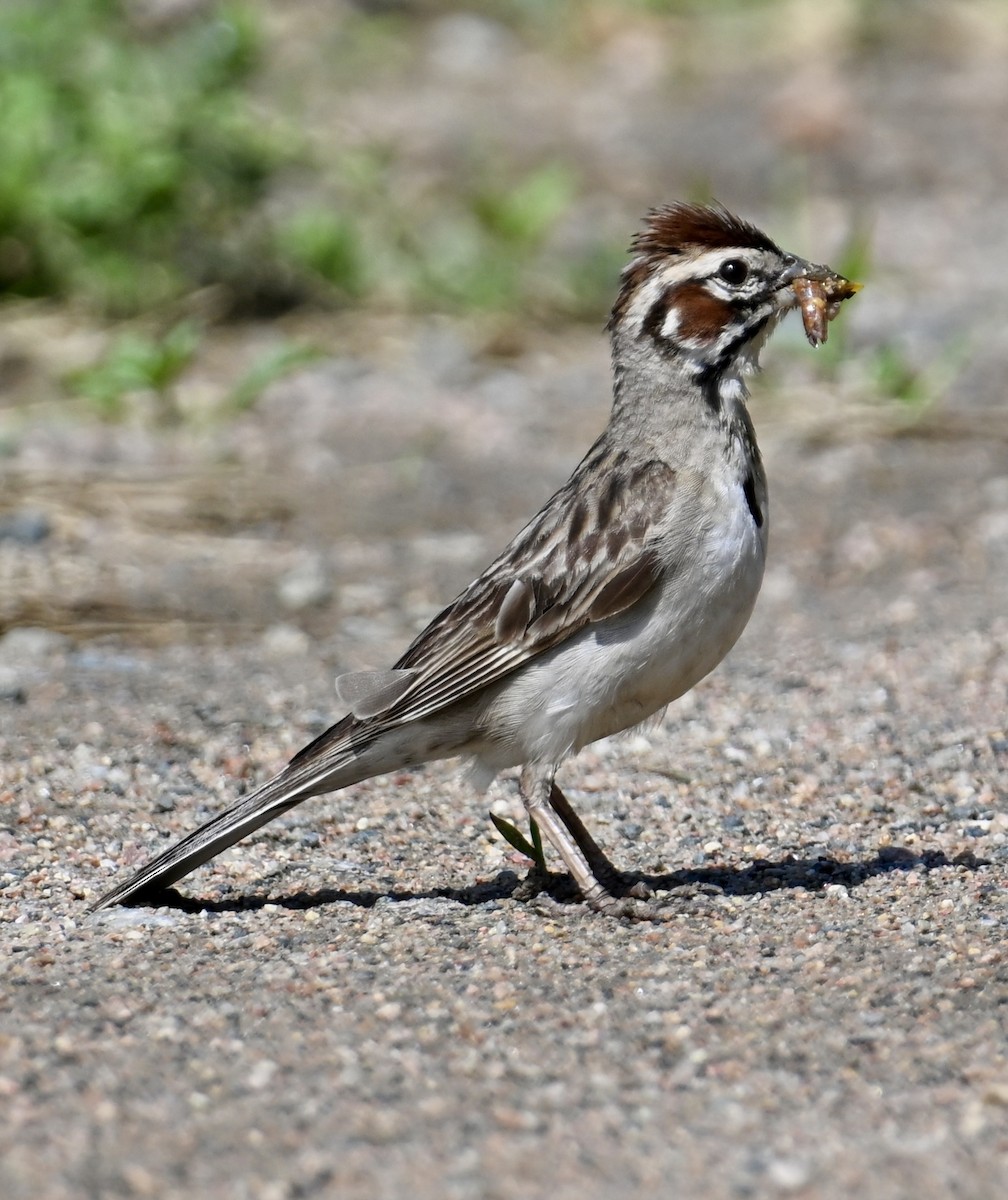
point(588, 555)
point(567, 569)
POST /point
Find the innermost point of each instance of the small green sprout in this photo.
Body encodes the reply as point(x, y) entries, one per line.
point(533, 850)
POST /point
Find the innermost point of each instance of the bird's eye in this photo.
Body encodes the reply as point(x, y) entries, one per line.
point(734, 271)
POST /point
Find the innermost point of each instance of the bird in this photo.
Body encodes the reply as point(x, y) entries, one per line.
point(628, 586)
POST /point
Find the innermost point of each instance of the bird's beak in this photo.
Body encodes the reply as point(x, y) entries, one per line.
point(818, 291)
point(817, 273)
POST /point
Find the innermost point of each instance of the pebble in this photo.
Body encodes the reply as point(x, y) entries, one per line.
point(27, 645)
point(13, 687)
point(285, 641)
point(307, 585)
point(28, 526)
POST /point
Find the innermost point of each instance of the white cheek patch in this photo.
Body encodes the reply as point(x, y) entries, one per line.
point(670, 326)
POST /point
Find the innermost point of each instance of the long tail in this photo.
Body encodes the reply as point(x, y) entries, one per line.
point(325, 766)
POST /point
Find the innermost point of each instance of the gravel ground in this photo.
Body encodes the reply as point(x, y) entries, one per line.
point(353, 1003)
point(360, 1008)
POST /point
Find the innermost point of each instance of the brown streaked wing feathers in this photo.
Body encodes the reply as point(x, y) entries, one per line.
point(368, 693)
point(515, 611)
point(460, 653)
point(626, 587)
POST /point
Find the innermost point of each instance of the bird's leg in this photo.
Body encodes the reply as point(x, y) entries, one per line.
point(600, 865)
point(611, 877)
point(539, 793)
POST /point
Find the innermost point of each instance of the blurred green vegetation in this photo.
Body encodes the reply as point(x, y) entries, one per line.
point(138, 366)
point(137, 166)
point(160, 158)
point(126, 154)
point(136, 363)
point(272, 364)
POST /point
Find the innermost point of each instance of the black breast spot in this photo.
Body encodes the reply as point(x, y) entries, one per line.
point(749, 487)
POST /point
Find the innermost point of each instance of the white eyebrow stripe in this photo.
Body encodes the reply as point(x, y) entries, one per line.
point(678, 271)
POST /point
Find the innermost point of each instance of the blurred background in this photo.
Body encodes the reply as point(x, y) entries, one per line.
point(299, 297)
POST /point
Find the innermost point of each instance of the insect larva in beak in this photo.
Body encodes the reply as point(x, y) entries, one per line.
point(819, 301)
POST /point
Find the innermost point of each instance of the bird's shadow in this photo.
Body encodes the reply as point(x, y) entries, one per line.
point(762, 875)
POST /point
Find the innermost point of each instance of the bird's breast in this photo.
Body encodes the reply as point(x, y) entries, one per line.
point(615, 674)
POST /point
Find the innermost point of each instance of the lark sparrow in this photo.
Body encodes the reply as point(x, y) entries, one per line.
point(629, 585)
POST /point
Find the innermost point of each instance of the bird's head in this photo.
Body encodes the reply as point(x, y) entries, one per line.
point(706, 289)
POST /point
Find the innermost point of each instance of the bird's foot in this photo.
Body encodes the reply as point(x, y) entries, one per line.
point(625, 884)
point(634, 902)
point(623, 894)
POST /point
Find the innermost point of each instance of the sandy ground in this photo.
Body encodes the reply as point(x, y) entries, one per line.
point(353, 1003)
